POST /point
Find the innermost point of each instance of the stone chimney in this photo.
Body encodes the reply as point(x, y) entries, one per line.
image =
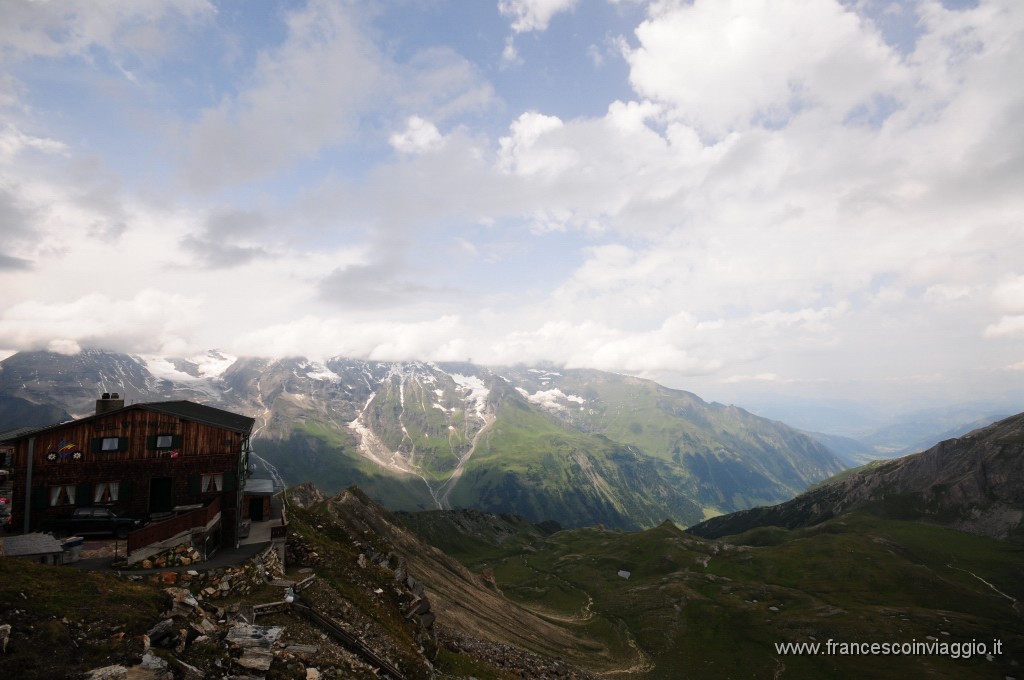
point(109, 402)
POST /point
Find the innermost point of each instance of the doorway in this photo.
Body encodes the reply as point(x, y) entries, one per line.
point(161, 495)
point(256, 509)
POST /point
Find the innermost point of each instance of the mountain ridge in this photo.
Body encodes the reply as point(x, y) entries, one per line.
point(974, 483)
point(581, 446)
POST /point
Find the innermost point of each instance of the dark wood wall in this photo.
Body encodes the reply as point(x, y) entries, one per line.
point(199, 449)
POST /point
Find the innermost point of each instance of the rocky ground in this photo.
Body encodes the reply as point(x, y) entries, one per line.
point(358, 600)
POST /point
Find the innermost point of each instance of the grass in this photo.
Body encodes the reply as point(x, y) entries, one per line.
point(859, 579)
point(82, 620)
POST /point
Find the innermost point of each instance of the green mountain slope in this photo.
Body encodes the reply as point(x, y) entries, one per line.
point(689, 607)
point(974, 483)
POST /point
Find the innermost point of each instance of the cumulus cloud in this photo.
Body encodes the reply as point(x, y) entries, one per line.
point(727, 64)
point(533, 15)
point(418, 136)
point(307, 94)
point(145, 322)
point(783, 195)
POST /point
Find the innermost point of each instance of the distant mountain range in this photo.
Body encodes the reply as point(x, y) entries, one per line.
point(581, 447)
point(859, 433)
point(973, 483)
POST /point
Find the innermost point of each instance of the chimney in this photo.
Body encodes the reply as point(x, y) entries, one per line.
point(109, 402)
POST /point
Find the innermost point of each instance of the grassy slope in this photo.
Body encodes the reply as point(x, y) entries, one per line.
point(530, 464)
point(65, 621)
point(733, 459)
point(855, 580)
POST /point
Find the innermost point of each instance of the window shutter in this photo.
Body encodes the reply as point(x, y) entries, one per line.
point(122, 443)
point(40, 498)
point(177, 441)
point(124, 492)
point(97, 445)
point(195, 483)
point(83, 494)
point(151, 442)
point(230, 482)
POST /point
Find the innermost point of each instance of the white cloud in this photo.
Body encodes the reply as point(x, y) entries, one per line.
point(306, 95)
point(147, 321)
point(727, 64)
point(69, 27)
point(1009, 295)
point(418, 136)
point(782, 199)
point(1007, 326)
point(533, 15)
point(13, 142)
point(318, 337)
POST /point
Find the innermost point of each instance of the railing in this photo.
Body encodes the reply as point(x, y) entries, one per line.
point(159, 531)
point(281, 531)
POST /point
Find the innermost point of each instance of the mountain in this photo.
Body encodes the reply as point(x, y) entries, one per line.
point(851, 451)
point(581, 446)
point(974, 483)
point(920, 430)
point(16, 412)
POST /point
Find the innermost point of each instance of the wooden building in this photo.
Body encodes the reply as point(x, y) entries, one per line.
point(150, 459)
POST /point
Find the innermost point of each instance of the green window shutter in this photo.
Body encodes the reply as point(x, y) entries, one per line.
point(194, 485)
point(122, 443)
point(124, 491)
point(40, 498)
point(97, 445)
point(230, 482)
point(177, 441)
point(83, 494)
point(151, 442)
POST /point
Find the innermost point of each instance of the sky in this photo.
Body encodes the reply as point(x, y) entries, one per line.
point(812, 198)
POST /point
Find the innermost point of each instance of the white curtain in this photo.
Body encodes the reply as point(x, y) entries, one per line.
point(62, 495)
point(105, 492)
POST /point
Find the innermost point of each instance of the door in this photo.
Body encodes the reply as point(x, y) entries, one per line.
point(256, 509)
point(161, 496)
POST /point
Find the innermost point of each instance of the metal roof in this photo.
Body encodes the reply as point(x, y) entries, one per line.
point(259, 487)
point(30, 544)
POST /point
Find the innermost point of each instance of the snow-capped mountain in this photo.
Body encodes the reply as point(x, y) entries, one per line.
point(577, 446)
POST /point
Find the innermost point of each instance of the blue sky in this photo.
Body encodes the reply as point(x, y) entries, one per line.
point(813, 198)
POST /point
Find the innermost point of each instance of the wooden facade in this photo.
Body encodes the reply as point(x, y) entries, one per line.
point(144, 460)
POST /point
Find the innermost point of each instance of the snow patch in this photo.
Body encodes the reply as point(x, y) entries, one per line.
point(162, 368)
point(321, 372)
point(478, 392)
point(549, 400)
point(213, 363)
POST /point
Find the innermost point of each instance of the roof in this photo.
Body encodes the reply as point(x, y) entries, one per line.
point(20, 432)
point(29, 544)
point(189, 410)
point(259, 487)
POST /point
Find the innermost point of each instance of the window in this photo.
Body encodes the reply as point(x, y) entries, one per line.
point(109, 444)
point(62, 495)
point(164, 442)
point(105, 492)
point(212, 483)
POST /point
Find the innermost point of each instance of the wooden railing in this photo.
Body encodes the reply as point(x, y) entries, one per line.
point(280, 531)
point(159, 531)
